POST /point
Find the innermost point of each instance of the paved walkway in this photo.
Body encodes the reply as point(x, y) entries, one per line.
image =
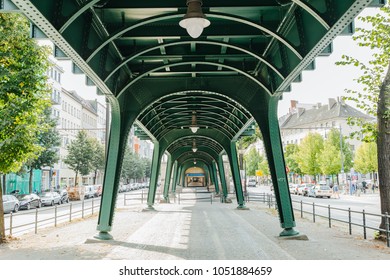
point(194, 231)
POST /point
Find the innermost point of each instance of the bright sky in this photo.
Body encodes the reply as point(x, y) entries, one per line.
point(328, 80)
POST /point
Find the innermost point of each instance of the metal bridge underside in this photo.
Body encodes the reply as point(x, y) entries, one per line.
point(160, 79)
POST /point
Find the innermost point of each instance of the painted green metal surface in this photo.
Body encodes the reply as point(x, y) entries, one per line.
point(167, 181)
point(156, 76)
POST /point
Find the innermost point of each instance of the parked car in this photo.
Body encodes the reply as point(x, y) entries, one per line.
point(64, 196)
point(27, 201)
point(50, 198)
point(252, 183)
point(89, 191)
point(10, 203)
point(320, 191)
point(303, 189)
point(98, 190)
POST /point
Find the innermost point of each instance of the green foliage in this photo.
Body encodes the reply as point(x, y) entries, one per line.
point(330, 161)
point(24, 93)
point(308, 156)
point(290, 156)
point(334, 141)
point(134, 167)
point(366, 160)
point(373, 71)
point(49, 139)
point(80, 154)
point(252, 160)
point(98, 159)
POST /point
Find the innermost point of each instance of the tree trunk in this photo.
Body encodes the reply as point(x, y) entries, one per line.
point(383, 142)
point(2, 225)
point(75, 179)
point(30, 190)
point(94, 178)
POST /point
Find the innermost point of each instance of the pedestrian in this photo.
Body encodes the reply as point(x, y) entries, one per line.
point(373, 187)
point(364, 186)
point(335, 190)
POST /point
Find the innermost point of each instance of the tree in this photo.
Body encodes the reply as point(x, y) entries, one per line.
point(290, 156)
point(80, 154)
point(366, 159)
point(309, 151)
point(24, 95)
point(374, 98)
point(98, 159)
point(331, 162)
point(252, 160)
point(49, 140)
point(147, 162)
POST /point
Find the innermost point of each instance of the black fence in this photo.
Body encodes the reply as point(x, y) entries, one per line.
point(361, 219)
point(32, 220)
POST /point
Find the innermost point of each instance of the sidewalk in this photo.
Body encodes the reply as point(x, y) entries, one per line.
point(194, 231)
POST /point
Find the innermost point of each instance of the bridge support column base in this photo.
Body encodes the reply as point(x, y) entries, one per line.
point(164, 200)
point(289, 232)
point(242, 207)
point(103, 235)
point(149, 208)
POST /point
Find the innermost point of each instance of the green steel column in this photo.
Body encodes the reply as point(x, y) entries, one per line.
point(154, 176)
point(278, 171)
point(174, 177)
point(167, 178)
point(110, 186)
point(233, 159)
point(221, 170)
point(214, 168)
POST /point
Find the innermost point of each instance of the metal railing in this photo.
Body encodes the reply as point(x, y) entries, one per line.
point(26, 221)
point(178, 197)
point(362, 219)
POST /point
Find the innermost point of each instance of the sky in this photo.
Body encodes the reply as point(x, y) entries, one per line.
point(326, 81)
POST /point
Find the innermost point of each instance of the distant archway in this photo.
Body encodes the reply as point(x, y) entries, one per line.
point(195, 177)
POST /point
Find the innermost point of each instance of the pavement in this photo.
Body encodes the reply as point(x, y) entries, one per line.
point(194, 231)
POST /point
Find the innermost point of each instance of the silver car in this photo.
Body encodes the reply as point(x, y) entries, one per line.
point(50, 198)
point(10, 203)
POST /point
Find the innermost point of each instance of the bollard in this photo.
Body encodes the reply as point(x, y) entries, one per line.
point(301, 209)
point(36, 220)
point(55, 216)
point(330, 220)
point(70, 212)
point(211, 198)
point(10, 223)
point(93, 204)
point(364, 225)
point(349, 221)
point(314, 213)
point(82, 209)
point(124, 199)
point(387, 229)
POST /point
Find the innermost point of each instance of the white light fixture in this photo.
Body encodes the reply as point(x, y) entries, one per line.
point(194, 161)
point(194, 21)
point(194, 128)
point(194, 148)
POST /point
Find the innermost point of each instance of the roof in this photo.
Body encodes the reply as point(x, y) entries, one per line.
point(303, 117)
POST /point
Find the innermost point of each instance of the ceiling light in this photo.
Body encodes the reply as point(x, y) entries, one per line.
point(194, 21)
point(194, 148)
point(194, 128)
